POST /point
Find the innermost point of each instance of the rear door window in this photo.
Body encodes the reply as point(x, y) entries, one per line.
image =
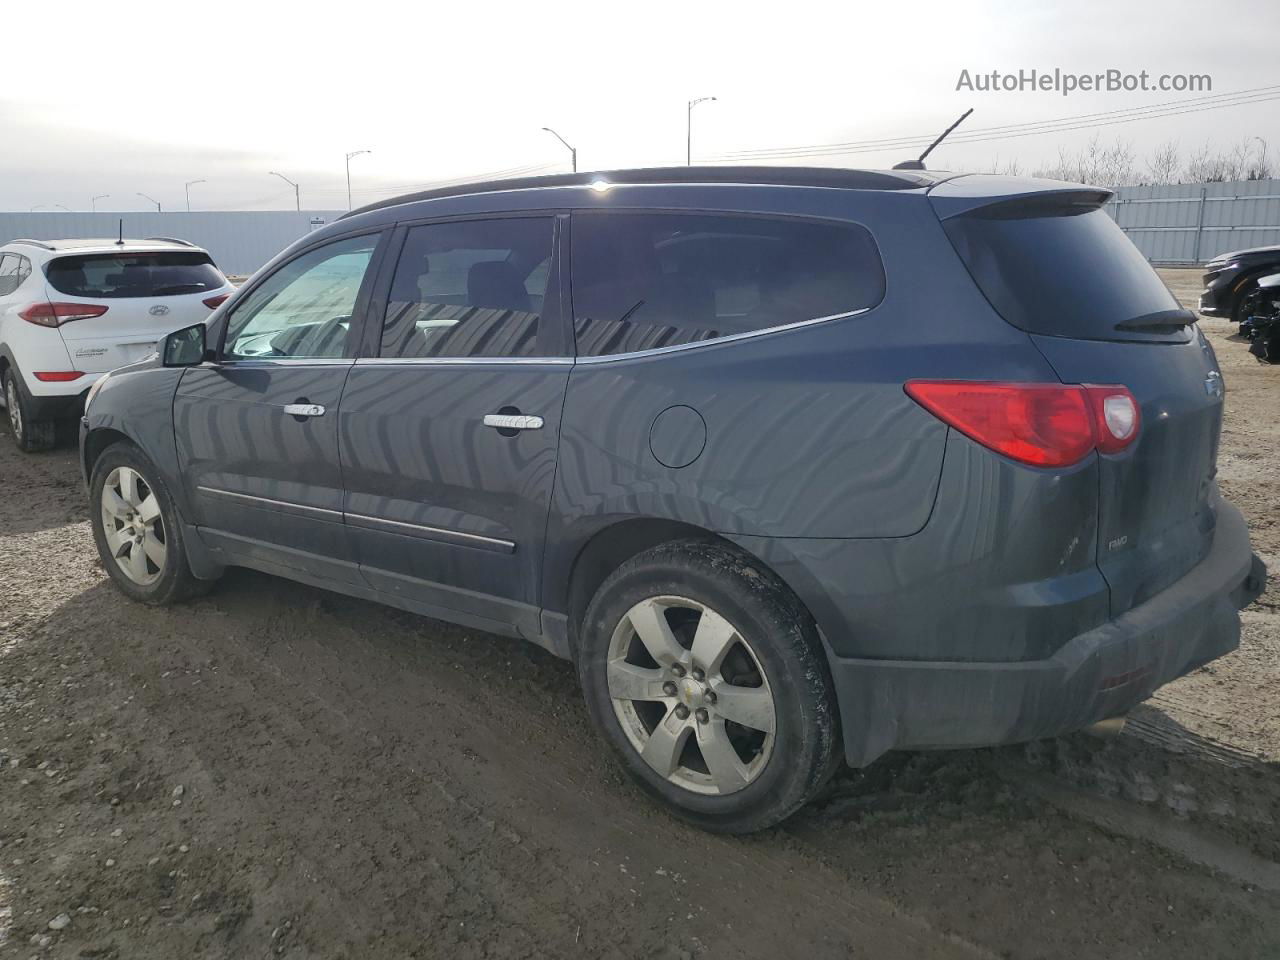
point(648, 280)
point(1060, 269)
point(115, 275)
point(470, 289)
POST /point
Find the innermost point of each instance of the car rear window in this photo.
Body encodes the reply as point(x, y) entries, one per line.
point(108, 275)
point(647, 280)
point(1058, 268)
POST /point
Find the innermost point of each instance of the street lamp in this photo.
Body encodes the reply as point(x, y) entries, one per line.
point(688, 129)
point(189, 185)
point(297, 197)
point(153, 200)
point(573, 153)
point(93, 201)
point(39, 205)
point(354, 153)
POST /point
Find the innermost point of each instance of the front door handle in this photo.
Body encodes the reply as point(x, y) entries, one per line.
point(304, 409)
point(512, 421)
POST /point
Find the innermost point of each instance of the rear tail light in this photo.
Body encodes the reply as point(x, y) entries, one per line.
point(1045, 425)
point(214, 302)
point(1116, 417)
point(46, 314)
point(58, 376)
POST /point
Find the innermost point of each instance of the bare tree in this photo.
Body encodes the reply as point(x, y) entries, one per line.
point(1164, 164)
point(1111, 166)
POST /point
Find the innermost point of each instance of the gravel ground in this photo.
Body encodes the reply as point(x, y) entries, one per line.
point(277, 771)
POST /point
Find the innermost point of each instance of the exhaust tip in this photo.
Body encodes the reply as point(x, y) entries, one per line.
point(1107, 728)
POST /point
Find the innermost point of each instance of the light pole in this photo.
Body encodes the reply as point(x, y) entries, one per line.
point(297, 196)
point(93, 201)
point(688, 129)
point(189, 185)
point(573, 153)
point(354, 153)
point(39, 205)
point(153, 200)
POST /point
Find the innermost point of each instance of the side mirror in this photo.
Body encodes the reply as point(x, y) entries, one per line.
point(185, 347)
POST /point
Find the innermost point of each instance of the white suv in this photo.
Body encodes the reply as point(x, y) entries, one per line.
point(72, 310)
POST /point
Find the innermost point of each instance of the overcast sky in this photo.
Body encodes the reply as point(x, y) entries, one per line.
point(126, 98)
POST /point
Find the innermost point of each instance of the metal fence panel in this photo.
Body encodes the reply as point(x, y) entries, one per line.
point(1192, 223)
point(239, 241)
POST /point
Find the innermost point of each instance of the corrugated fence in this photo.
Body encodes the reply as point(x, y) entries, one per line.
point(239, 241)
point(1181, 223)
point(1194, 222)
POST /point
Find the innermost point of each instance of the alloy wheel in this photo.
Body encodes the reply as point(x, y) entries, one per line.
point(133, 526)
point(691, 695)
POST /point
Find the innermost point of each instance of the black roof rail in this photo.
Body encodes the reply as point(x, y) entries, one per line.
point(184, 243)
point(838, 177)
point(34, 243)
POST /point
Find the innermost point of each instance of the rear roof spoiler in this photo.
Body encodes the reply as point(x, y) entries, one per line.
point(1011, 196)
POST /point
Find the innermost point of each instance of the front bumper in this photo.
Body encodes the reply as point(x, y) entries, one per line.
point(1217, 298)
point(913, 704)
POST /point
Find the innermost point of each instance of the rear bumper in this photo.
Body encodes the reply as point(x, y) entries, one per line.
point(61, 406)
point(895, 704)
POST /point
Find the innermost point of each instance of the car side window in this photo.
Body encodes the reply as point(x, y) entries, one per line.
point(304, 309)
point(643, 281)
point(470, 288)
point(9, 278)
point(24, 268)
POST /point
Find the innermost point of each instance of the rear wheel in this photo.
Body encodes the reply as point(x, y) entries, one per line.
point(707, 676)
point(29, 434)
point(136, 529)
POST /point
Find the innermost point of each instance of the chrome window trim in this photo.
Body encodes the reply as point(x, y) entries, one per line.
point(286, 361)
point(507, 546)
point(289, 505)
point(452, 361)
point(731, 338)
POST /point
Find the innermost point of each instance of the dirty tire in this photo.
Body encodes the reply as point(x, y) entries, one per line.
point(30, 435)
point(175, 581)
point(778, 631)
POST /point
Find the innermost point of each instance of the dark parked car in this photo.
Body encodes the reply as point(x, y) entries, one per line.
point(1231, 277)
point(794, 465)
point(1261, 322)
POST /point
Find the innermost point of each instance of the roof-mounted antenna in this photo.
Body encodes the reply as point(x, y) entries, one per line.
point(918, 162)
point(120, 242)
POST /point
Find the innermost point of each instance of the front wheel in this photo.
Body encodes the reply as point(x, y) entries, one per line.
point(136, 529)
point(707, 676)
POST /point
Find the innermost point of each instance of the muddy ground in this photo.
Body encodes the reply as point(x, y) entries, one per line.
point(277, 771)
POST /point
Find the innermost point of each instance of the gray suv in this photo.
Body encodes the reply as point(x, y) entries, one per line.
point(794, 465)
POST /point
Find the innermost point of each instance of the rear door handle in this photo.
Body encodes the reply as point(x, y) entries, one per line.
point(304, 409)
point(512, 421)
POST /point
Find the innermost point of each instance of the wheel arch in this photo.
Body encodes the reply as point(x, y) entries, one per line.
point(612, 545)
point(95, 442)
point(1246, 282)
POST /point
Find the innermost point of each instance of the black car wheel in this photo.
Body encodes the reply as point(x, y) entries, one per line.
point(29, 434)
point(706, 674)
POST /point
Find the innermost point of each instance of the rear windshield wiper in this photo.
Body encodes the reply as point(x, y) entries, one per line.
point(1160, 320)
